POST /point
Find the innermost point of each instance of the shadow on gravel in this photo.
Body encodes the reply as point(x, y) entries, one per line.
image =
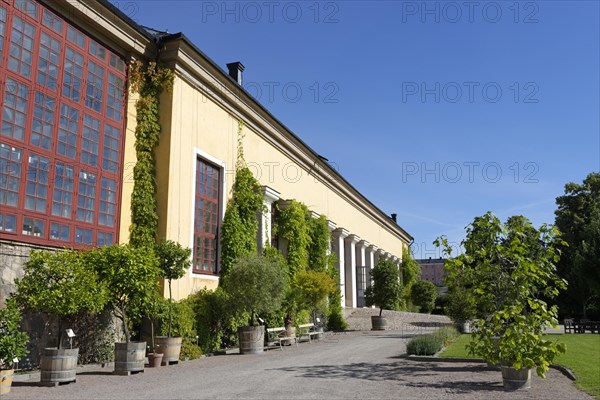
point(96, 373)
point(407, 373)
point(30, 384)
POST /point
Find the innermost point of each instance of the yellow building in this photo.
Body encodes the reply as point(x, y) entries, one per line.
point(93, 130)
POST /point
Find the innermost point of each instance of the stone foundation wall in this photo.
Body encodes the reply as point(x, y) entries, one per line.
point(13, 255)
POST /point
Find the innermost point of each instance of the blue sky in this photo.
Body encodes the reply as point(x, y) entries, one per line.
point(437, 111)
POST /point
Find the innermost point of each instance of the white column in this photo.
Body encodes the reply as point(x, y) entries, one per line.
point(338, 247)
point(264, 222)
point(350, 253)
point(371, 250)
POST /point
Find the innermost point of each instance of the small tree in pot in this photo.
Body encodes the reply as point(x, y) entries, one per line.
point(62, 285)
point(255, 285)
point(13, 342)
point(386, 291)
point(131, 277)
point(173, 261)
point(510, 269)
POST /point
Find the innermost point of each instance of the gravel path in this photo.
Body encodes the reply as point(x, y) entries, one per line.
point(356, 365)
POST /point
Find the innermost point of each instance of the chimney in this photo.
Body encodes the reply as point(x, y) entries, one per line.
point(395, 218)
point(235, 71)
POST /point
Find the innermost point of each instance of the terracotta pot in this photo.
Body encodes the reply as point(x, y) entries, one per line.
point(155, 359)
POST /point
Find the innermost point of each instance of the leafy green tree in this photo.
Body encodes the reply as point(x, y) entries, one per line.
point(173, 261)
point(314, 287)
point(386, 291)
point(13, 341)
point(510, 270)
point(62, 284)
point(423, 295)
point(578, 219)
point(130, 275)
point(256, 285)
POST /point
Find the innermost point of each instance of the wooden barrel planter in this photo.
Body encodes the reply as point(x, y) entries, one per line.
point(516, 379)
point(58, 366)
point(6, 377)
point(378, 323)
point(130, 357)
point(170, 347)
point(251, 339)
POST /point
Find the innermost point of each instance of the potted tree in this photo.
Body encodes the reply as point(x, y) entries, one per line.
point(173, 261)
point(510, 269)
point(255, 285)
point(155, 308)
point(13, 342)
point(386, 291)
point(60, 284)
point(130, 274)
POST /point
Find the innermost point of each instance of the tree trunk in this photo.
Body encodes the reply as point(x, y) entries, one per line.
point(380, 311)
point(170, 310)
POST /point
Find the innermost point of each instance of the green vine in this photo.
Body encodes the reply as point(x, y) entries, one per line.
point(149, 81)
point(319, 244)
point(293, 226)
point(240, 225)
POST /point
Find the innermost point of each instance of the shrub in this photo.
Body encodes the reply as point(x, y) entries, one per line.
point(13, 342)
point(426, 345)
point(335, 320)
point(189, 350)
point(423, 294)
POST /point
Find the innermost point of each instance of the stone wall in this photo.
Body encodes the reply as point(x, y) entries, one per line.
point(13, 255)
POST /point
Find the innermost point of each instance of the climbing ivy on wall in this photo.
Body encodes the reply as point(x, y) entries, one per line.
point(240, 224)
point(319, 244)
point(292, 225)
point(149, 81)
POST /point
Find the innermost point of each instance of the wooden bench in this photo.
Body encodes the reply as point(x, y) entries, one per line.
point(308, 330)
point(279, 336)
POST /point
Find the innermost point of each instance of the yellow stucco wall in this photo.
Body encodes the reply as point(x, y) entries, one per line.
point(129, 160)
point(194, 123)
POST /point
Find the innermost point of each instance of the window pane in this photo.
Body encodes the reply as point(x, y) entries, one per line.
point(94, 87)
point(37, 183)
point(110, 152)
point(67, 131)
point(42, 121)
point(73, 75)
point(86, 197)
point(62, 198)
point(60, 232)
point(108, 202)
point(21, 47)
point(84, 236)
point(33, 227)
point(91, 140)
point(115, 95)
point(10, 174)
point(29, 7)
point(15, 108)
point(2, 29)
point(52, 21)
point(48, 61)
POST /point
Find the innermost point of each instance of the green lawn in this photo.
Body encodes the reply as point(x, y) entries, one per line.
point(582, 357)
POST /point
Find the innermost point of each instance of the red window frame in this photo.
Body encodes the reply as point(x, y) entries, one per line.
point(207, 211)
point(43, 226)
